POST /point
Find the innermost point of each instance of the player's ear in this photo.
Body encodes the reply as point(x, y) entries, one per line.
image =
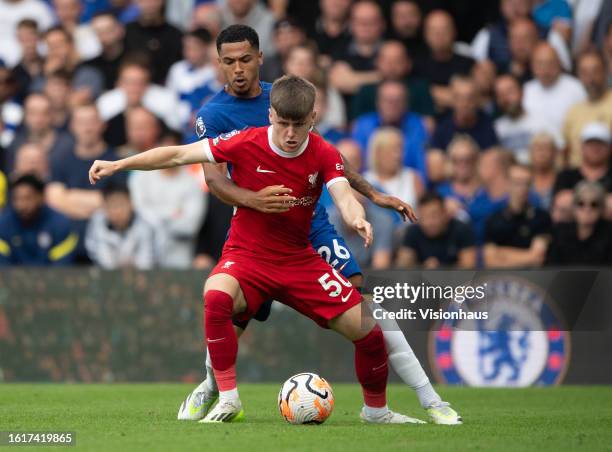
point(260, 57)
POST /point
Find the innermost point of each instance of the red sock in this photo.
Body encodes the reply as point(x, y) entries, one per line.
point(371, 367)
point(221, 338)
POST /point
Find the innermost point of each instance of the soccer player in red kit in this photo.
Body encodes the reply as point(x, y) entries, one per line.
point(269, 255)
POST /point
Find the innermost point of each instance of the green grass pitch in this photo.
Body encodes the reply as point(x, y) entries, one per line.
point(125, 417)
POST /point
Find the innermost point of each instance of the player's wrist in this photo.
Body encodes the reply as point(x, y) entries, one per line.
point(375, 196)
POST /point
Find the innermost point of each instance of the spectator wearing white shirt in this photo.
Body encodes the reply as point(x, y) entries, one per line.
point(386, 169)
point(515, 128)
point(118, 237)
point(190, 75)
point(135, 89)
point(68, 15)
point(11, 13)
point(551, 93)
point(171, 200)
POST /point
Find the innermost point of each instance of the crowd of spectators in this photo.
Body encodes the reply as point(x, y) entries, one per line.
point(492, 118)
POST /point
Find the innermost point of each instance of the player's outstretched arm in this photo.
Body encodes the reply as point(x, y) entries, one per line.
point(272, 199)
point(156, 158)
point(351, 210)
point(359, 183)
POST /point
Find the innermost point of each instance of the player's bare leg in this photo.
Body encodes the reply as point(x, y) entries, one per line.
point(358, 326)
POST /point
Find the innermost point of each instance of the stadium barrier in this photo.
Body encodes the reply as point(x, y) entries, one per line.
point(88, 325)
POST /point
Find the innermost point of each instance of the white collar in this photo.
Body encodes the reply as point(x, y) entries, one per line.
point(279, 151)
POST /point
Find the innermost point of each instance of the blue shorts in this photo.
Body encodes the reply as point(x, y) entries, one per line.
point(330, 245)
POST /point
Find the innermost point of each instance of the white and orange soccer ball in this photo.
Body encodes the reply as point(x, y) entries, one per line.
point(306, 398)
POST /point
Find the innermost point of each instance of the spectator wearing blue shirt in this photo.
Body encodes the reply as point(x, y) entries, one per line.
point(31, 233)
point(464, 182)
point(392, 110)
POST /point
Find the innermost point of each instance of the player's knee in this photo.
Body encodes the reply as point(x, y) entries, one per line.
point(218, 304)
point(355, 323)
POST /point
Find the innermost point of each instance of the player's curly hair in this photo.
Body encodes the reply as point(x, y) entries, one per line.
point(237, 33)
point(292, 97)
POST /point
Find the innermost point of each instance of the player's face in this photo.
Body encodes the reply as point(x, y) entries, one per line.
point(288, 134)
point(240, 63)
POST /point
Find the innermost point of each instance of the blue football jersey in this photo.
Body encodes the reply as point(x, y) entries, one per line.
point(224, 113)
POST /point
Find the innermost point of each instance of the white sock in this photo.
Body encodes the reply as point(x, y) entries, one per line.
point(229, 396)
point(405, 363)
point(211, 383)
point(372, 412)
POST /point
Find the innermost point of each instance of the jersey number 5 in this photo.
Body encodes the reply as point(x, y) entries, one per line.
point(333, 286)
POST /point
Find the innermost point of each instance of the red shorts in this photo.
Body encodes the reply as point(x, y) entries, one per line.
point(304, 282)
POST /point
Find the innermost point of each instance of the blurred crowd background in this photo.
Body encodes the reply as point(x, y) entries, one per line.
point(492, 118)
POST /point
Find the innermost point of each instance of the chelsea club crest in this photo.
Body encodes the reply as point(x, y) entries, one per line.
point(521, 343)
point(200, 127)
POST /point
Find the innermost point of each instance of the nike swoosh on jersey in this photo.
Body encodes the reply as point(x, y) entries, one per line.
point(347, 296)
point(259, 170)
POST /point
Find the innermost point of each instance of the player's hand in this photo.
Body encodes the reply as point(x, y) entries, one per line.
point(101, 169)
point(391, 202)
point(272, 199)
point(364, 229)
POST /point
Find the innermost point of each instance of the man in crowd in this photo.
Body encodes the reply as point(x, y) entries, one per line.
point(31, 233)
point(518, 234)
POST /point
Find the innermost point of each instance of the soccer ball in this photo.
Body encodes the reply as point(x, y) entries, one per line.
point(306, 398)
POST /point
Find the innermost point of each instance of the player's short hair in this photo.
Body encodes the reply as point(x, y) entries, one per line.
point(201, 34)
point(429, 197)
point(237, 33)
point(292, 97)
point(31, 181)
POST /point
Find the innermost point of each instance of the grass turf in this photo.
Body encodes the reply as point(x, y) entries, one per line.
point(124, 417)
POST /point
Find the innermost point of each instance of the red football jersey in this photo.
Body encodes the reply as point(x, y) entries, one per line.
point(256, 162)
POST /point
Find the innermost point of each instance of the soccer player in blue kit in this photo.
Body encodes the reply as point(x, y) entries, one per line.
point(245, 102)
